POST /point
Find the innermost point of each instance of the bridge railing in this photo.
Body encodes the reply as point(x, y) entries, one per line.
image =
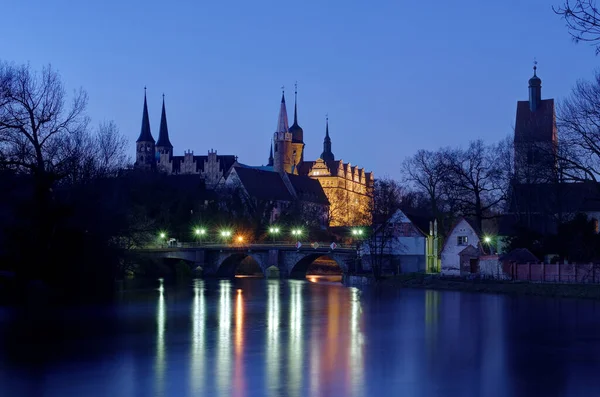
point(266, 244)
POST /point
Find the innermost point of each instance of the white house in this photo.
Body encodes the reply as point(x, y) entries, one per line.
point(461, 251)
point(398, 244)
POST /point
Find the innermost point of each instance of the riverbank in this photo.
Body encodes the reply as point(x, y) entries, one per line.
point(426, 281)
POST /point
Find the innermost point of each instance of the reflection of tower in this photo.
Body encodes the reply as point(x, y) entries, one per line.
point(224, 343)
point(273, 375)
point(432, 303)
point(161, 321)
point(283, 156)
point(197, 353)
point(295, 339)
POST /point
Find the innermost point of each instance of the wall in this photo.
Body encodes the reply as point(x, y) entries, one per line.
point(450, 257)
point(490, 266)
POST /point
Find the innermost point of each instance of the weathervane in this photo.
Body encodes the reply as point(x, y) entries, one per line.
point(535, 62)
point(283, 89)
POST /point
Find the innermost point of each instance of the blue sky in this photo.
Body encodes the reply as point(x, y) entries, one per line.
point(394, 76)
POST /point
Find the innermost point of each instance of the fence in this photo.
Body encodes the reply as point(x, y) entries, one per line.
point(544, 272)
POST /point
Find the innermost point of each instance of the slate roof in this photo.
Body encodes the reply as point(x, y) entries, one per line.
point(263, 185)
point(535, 126)
point(308, 189)
point(145, 134)
point(163, 134)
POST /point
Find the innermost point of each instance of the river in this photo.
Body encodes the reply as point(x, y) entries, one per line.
point(255, 337)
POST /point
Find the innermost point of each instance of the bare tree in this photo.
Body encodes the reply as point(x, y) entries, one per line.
point(34, 120)
point(426, 172)
point(387, 198)
point(579, 132)
point(583, 21)
point(474, 180)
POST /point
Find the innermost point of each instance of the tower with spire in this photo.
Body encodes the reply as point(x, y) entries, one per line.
point(164, 148)
point(297, 133)
point(327, 155)
point(535, 140)
point(283, 153)
point(145, 145)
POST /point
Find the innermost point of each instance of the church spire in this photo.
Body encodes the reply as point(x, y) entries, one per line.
point(145, 134)
point(271, 156)
point(163, 135)
point(327, 155)
point(282, 121)
point(295, 129)
point(535, 89)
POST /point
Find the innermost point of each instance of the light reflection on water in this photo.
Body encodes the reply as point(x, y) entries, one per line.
point(249, 337)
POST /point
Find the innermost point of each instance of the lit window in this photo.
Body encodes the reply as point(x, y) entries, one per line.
point(461, 240)
point(315, 172)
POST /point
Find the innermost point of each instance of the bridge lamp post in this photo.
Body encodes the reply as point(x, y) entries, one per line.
point(225, 234)
point(357, 236)
point(297, 233)
point(273, 231)
point(200, 233)
point(162, 237)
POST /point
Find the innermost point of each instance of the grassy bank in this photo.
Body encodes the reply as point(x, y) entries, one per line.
point(424, 281)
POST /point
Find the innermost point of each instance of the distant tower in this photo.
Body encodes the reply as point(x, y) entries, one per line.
point(535, 141)
point(270, 163)
point(145, 157)
point(283, 160)
point(297, 133)
point(163, 145)
point(327, 155)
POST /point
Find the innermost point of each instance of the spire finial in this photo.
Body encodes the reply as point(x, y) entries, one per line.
point(283, 89)
point(535, 62)
point(296, 87)
point(163, 96)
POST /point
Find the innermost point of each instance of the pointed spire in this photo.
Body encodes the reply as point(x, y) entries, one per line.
point(327, 155)
point(282, 121)
point(271, 160)
point(145, 134)
point(163, 134)
point(295, 129)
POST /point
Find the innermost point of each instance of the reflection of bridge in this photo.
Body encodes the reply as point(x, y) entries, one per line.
point(223, 259)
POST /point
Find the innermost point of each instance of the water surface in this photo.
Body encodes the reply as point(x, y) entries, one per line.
point(253, 337)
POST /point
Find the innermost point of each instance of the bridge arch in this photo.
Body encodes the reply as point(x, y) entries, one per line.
point(230, 262)
point(301, 265)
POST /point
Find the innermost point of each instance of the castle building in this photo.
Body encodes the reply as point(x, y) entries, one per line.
point(159, 156)
point(348, 188)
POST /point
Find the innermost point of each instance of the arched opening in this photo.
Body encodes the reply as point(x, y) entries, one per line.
point(317, 267)
point(240, 265)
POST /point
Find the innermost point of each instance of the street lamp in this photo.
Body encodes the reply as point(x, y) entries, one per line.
point(357, 232)
point(273, 231)
point(357, 236)
point(297, 232)
point(199, 232)
point(225, 234)
point(488, 241)
point(162, 237)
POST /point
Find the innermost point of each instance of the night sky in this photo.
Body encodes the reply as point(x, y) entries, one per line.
point(394, 76)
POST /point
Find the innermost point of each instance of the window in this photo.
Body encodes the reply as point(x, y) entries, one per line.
point(461, 240)
point(315, 172)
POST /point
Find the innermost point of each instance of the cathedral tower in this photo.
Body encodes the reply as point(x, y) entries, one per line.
point(535, 141)
point(145, 156)
point(327, 155)
point(283, 156)
point(163, 145)
point(297, 133)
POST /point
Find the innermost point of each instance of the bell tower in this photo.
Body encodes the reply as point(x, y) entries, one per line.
point(283, 153)
point(145, 146)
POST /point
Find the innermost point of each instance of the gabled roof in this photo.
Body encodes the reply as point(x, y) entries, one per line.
point(263, 185)
point(458, 221)
point(308, 189)
point(519, 255)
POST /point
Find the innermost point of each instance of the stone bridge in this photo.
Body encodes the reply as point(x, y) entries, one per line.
point(223, 260)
